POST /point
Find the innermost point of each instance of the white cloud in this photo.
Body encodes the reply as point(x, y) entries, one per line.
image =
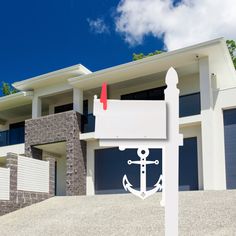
point(187, 23)
point(98, 26)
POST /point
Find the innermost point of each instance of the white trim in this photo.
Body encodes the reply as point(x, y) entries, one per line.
point(156, 58)
point(16, 96)
point(41, 78)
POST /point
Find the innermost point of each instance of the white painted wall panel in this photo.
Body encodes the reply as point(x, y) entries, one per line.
point(32, 175)
point(4, 183)
point(17, 149)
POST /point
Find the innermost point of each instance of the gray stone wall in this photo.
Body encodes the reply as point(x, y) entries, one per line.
point(18, 198)
point(60, 127)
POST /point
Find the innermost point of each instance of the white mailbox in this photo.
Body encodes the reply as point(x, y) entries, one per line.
point(130, 120)
point(143, 125)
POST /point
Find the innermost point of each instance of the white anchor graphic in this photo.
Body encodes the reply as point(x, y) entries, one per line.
point(143, 193)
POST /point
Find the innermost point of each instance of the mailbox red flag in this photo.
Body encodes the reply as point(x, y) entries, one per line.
point(103, 97)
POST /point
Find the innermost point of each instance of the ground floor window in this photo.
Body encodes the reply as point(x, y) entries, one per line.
point(111, 165)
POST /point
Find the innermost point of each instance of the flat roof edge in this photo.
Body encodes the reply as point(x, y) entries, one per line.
point(82, 69)
point(161, 56)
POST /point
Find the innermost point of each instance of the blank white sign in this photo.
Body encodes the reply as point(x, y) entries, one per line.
point(130, 119)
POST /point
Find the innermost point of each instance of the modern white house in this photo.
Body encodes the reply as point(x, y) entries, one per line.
point(51, 115)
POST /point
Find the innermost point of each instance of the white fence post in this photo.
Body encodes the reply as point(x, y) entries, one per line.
point(4, 183)
point(171, 155)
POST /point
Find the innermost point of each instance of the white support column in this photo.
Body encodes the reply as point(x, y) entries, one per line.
point(78, 100)
point(207, 125)
point(36, 107)
point(219, 151)
point(171, 155)
point(90, 178)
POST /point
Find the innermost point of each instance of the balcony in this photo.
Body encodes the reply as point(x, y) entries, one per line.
point(12, 136)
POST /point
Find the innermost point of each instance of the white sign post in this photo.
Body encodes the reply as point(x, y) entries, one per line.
point(142, 125)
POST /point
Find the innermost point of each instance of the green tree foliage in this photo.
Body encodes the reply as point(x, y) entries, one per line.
point(7, 89)
point(232, 50)
point(141, 55)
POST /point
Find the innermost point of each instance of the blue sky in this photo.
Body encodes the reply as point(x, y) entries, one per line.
point(41, 36)
point(45, 35)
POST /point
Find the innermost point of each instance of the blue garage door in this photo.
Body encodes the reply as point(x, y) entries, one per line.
point(230, 147)
point(111, 165)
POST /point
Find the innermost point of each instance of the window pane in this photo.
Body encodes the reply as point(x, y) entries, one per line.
point(189, 105)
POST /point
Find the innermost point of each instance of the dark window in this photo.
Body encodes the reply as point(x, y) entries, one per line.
point(230, 117)
point(69, 107)
point(85, 107)
point(188, 165)
point(230, 147)
point(88, 124)
point(88, 121)
point(4, 138)
point(150, 94)
point(111, 165)
point(189, 105)
point(17, 133)
point(63, 108)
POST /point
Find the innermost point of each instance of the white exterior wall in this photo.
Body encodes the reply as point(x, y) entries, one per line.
point(62, 101)
point(78, 100)
point(32, 175)
point(43, 92)
point(4, 183)
point(213, 102)
point(90, 178)
point(207, 124)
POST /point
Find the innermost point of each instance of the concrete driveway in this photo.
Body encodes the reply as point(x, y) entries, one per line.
point(201, 213)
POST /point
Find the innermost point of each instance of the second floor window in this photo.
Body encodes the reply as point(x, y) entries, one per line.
point(189, 105)
point(63, 108)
